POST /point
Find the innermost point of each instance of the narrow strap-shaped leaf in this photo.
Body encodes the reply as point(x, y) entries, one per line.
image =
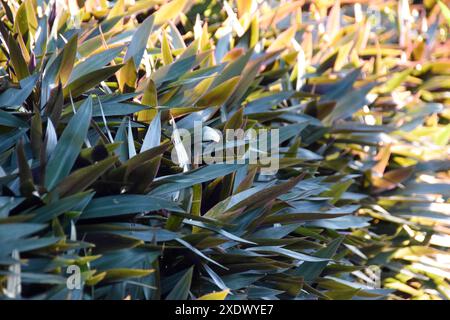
point(9, 120)
point(84, 177)
point(181, 181)
point(68, 60)
point(311, 270)
point(69, 146)
point(166, 52)
point(89, 80)
point(150, 98)
point(139, 41)
point(126, 204)
point(221, 295)
point(25, 176)
point(54, 209)
point(94, 62)
point(14, 97)
point(169, 11)
point(199, 253)
point(17, 59)
point(10, 231)
point(153, 136)
point(181, 290)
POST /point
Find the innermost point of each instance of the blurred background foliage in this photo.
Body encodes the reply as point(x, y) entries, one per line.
point(92, 91)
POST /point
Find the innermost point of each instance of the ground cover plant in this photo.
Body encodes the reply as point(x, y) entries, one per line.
point(94, 95)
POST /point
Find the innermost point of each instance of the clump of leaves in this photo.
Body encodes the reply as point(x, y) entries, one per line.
point(91, 96)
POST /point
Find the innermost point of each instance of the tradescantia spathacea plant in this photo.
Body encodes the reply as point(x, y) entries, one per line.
point(94, 96)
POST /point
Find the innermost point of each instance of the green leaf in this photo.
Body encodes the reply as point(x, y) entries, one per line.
point(153, 136)
point(288, 253)
point(94, 62)
point(342, 87)
point(233, 69)
point(30, 244)
point(311, 270)
point(165, 48)
point(138, 43)
point(181, 290)
point(89, 80)
point(219, 94)
point(199, 253)
point(177, 68)
point(124, 273)
point(14, 97)
point(11, 231)
point(25, 176)
point(110, 206)
point(221, 295)
point(220, 231)
point(17, 59)
point(84, 177)
point(138, 160)
point(68, 60)
point(69, 146)
point(58, 207)
point(337, 190)
point(185, 180)
point(350, 103)
point(8, 139)
point(8, 120)
point(127, 76)
point(250, 198)
point(341, 223)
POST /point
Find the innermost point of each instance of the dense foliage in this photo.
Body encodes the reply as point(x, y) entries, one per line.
point(93, 94)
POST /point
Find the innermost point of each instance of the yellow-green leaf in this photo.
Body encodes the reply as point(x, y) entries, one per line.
point(219, 94)
point(165, 48)
point(169, 11)
point(221, 295)
point(125, 273)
